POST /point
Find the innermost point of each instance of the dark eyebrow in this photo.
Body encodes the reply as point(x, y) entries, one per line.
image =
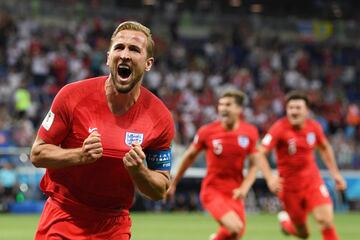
point(135, 47)
point(117, 45)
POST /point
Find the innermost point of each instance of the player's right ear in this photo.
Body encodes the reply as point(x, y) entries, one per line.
point(107, 58)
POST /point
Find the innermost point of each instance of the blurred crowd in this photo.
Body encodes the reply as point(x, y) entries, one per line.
point(40, 55)
point(197, 57)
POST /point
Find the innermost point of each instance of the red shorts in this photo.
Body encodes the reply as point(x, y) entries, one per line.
point(56, 223)
point(218, 204)
point(299, 203)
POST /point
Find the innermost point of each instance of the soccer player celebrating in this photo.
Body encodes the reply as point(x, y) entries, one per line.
point(299, 185)
point(227, 143)
point(93, 143)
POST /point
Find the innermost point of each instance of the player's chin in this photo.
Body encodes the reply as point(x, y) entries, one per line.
point(294, 121)
point(124, 88)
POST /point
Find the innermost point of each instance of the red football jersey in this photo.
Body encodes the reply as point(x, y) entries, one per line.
point(226, 152)
point(80, 108)
point(295, 151)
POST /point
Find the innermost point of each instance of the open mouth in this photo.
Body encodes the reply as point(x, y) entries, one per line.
point(124, 71)
point(224, 114)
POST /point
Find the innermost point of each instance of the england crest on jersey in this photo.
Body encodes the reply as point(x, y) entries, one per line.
point(243, 141)
point(133, 137)
point(218, 148)
point(310, 138)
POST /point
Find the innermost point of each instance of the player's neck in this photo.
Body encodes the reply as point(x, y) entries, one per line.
point(231, 126)
point(298, 126)
point(120, 103)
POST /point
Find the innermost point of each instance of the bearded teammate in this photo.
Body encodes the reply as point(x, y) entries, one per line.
point(93, 143)
point(300, 186)
point(227, 143)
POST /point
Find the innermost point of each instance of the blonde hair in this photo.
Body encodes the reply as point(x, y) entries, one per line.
point(136, 26)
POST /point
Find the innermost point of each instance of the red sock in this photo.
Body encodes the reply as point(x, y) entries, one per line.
point(288, 227)
point(222, 234)
point(329, 233)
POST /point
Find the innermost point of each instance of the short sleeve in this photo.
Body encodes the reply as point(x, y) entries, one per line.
point(159, 154)
point(254, 140)
point(270, 139)
point(199, 139)
point(165, 136)
point(319, 132)
point(56, 123)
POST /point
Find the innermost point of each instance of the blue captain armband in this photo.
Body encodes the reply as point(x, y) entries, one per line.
point(159, 160)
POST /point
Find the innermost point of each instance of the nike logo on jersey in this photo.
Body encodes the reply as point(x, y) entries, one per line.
point(92, 129)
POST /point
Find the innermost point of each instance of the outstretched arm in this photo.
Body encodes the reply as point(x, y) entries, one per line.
point(51, 156)
point(328, 157)
point(189, 157)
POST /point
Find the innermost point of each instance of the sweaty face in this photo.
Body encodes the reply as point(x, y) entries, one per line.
point(296, 112)
point(127, 60)
point(228, 110)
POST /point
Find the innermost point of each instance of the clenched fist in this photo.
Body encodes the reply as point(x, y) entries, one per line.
point(134, 159)
point(240, 192)
point(92, 148)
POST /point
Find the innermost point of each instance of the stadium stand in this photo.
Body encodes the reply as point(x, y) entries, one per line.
point(201, 49)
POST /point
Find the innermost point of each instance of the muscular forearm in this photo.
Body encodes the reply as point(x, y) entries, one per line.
point(151, 183)
point(185, 164)
point(264, 166)
point(51, 156)
point(328, 157)
point(189, 157)
point(250, 177)
point(242, 191)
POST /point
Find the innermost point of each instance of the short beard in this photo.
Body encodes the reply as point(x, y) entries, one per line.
point(124, 88)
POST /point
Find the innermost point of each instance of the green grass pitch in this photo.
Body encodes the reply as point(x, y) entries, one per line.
point(192, 226)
